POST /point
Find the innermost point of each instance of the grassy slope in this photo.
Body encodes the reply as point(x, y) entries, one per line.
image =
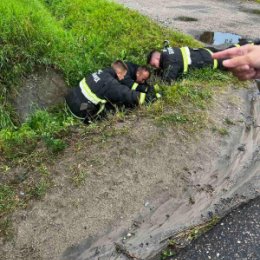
point(78, 37)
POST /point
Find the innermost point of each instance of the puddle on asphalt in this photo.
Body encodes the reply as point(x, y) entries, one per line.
point(250, 11)
point(217, 38)
point(186, 19)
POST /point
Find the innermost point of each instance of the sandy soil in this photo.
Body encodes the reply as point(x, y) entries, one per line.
point(143, 186)
point(154, 186)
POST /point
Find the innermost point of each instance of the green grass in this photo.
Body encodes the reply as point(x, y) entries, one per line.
point(78, 37)
point(176, 243)
point(229, 122)
point(186, 102)
point(79, 176)
point(6, 229)
point(221, 131)
point(44, 127)
point(8, 199)
point(39, 189)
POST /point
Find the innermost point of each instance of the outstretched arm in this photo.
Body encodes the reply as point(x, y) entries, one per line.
point(244, 62)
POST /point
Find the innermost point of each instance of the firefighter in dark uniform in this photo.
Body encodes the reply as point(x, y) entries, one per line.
point(173, 62)
point(101, 89)
point(136, 79)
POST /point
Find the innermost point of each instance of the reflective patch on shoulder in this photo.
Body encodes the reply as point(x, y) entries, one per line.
point(96, 77)
point(195, 49)
point(170, 50)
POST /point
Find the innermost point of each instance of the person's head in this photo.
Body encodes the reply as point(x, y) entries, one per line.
point(142, 74)
point(153, 59)
point(120, 69)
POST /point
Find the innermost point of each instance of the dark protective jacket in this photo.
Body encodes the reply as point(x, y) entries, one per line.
point(175, 62)
point(130, 78)
point(98, 90)
point(152, 92)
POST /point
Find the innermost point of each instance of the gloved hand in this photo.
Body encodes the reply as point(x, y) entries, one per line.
point(151, 95)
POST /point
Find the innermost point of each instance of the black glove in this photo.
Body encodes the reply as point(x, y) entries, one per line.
point(151, 95)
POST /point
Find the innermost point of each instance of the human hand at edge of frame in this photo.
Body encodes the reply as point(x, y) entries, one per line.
point(243, 62)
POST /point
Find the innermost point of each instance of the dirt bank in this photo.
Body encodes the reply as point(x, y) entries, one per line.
point(141, 191)
point(217, 173)
point(43, 89)
point(218, 16)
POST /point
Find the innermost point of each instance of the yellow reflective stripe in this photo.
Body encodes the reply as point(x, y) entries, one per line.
point(215, 61)
point(102, 107)
point(185, 59)
point(135, 85)
point(142, 98)
point(89, 94)
point(158, 95)
point(67, 107)
point(156, 88)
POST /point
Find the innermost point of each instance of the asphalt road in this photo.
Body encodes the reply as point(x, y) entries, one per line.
point(236, 237)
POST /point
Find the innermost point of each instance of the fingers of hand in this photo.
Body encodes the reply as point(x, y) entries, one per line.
point(242, 68)
point(236, 62)
point(245, 75)
point(229, 53)
point(257, 76)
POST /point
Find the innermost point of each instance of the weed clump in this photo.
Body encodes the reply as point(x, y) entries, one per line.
point(42, 126)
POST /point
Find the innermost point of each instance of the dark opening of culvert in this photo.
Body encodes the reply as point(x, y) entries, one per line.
point(186, 19)
point(217, 38)
point(250, 11)
point(43, 89)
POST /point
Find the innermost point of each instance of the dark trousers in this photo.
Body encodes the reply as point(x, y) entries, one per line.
point(80, 106)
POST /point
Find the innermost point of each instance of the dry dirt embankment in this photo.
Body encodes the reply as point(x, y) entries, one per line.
point(197, 179)
point(143, 187)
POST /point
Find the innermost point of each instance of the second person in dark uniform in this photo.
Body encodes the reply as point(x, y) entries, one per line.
point(173, 62)
point(102, 89)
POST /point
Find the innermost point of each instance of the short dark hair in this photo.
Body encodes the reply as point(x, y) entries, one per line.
point(145, 69)
point(150, 55)
point(120, 64)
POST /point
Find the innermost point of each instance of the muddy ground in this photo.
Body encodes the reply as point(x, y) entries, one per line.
point(146, 184)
